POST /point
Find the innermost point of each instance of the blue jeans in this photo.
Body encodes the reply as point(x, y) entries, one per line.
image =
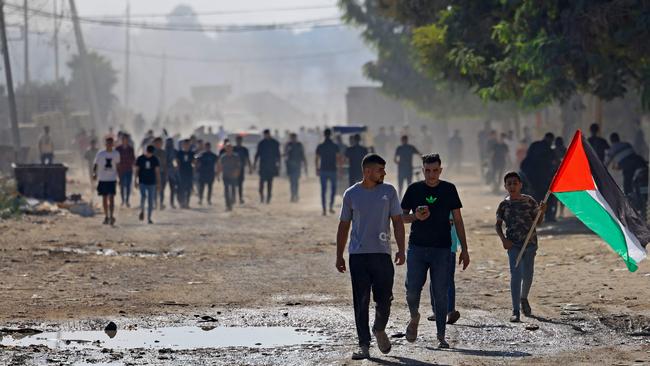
point(294, 179)
point(324, 177)
point(125, 186)
point(521, 278)
point(419, 260)
point(451, 293)
point(148, 192)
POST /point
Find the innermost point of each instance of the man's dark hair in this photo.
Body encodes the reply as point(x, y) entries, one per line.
point(207, 144)
point(327, 132)
point(150, 149)
point(431, 159)
point(594, 128)
point(158, 139)
point(239, 137)
point(356, 137)
point(109, 139)
point(266, 132)
point(371, 159)
point(511, 175)
point(614, 137)
point(549, 136)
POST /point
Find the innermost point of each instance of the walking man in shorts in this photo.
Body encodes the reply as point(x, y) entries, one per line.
point(369, 206)
point(105, 171)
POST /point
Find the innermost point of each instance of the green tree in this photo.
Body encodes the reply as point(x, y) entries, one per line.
point(533, 52)
point(105, 78)
point(399, 68)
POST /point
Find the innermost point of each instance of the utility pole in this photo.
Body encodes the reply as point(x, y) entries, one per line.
point(127, 55)
point(56, 42)
point(27, 117)
point(13, 114)
point(88, 76)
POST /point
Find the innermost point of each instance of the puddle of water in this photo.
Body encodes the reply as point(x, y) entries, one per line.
point(177, 338)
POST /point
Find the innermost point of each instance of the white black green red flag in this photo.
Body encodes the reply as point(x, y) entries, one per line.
point(583, 184)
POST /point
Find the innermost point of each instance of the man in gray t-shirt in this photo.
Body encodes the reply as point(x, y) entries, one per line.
point(369, 207)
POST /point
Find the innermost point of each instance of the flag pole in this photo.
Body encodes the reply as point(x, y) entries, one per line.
point(532, 228)
point(539, 212)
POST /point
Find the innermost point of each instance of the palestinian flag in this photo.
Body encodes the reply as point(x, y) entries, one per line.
point(583, 184)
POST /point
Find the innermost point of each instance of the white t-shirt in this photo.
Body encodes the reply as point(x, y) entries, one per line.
point(107, 165)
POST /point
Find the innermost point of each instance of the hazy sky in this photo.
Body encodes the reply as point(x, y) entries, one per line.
point(326, 9)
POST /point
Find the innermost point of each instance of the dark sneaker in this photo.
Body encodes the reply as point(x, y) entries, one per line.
point(525, 307)
point(149, 221)
point(383, 343)
point(361, 354)
point(141, 216)
point(112, 221)
point(453, 317)
point(442, 344)
point(106, 221)
point(412, 328)
point(432, 318)
point(514, 318)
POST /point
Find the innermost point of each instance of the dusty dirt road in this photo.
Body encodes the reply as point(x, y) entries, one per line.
point(273, 265)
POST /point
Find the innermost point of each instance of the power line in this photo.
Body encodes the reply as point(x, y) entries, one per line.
point(216, 12)
point(299, 57)
point(303, 24)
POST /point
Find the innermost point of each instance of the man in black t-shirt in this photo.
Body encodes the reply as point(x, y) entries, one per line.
point(427, 205)
point(207, 163)
point(185, 163)
point(147, 178)
point(599, 144)
point(326, 163)
point(355, 154)
point(245, 161)
point(268, 154)
point(404, 160)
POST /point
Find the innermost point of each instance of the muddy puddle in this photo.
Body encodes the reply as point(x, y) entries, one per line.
point(175, 338)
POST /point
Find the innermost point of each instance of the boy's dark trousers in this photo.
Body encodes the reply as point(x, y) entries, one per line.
point(203, 182)
point(185, 189)
point(371, 271)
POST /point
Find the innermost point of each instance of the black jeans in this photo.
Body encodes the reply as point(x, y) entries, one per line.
point(240, 185)
point(203, 182)
point(269, 188)
point(163, 184)
point(185, 190)
point(371, 271)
